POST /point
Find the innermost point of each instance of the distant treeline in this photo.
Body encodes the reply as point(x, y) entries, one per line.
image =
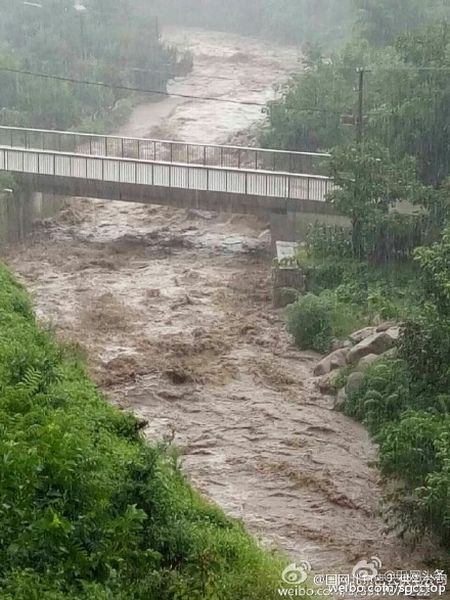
point(290, 20)
point(328, 22)
point(112, 41)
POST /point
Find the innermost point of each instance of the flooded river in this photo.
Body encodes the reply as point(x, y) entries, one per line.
point(173, 309)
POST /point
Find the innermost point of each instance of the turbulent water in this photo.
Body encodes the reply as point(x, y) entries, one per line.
point(173, 309)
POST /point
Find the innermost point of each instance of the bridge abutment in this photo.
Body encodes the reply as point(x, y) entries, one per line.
point(21, 208)
point(293, 225)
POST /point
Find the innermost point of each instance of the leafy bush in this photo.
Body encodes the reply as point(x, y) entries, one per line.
point(413, 433)
point(314, 321)
point(425, 346)
point(309, 322)
point(88, 510)
point(324, 241)
point(418, 447)
point(435, 272)
point(383, 395)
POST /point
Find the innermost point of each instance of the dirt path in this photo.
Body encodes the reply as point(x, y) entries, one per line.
point(174, 311)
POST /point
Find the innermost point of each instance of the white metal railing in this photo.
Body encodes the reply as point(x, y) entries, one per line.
point(164, 150)
point(159, 173)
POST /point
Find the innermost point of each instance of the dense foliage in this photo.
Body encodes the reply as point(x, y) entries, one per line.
point(401, 161)
point(405, 103)
point(406, 405)
point(114, 42)
point(88, 510)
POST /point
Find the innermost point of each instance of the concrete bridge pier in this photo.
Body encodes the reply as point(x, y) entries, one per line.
point(21, 208)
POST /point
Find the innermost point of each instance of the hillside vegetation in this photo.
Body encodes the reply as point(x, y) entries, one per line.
point(88, 510)
point(115, 42)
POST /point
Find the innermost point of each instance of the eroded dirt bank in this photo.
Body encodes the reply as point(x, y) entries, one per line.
point(174, 311)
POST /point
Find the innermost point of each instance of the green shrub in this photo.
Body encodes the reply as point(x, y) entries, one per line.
point(314, 321)
point(418, 447)
point(325, 241)
point(309, 322)
point(413, 433)
point(90, 511)
point(383, 396)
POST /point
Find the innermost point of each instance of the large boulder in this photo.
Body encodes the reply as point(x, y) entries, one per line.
point(326, 383)
point(394, 332)
point(377, 343)
point(385, 326)
point(366, 361)
point(354, 382)
point(335, 360)
point(362, 334)
point(340, 401)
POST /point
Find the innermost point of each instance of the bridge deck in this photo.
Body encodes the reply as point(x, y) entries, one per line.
point(245, 182)
point(164, 150)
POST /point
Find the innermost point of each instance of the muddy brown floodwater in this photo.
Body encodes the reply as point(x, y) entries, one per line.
point(173, 308)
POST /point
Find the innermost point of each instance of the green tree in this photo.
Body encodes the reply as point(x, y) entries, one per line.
point(369, 182)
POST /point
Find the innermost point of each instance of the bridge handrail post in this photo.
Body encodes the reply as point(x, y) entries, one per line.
point(288, 181)
point(308, 188)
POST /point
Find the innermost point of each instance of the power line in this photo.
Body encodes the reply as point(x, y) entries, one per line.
point(128, 88)
point(147, 91)
point(399, 69)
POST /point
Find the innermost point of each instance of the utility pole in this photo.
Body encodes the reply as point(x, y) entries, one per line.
point(360, 117)
point(81, 9)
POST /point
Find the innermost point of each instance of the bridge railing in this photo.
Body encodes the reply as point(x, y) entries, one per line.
point(164, 150)
point(154, 173)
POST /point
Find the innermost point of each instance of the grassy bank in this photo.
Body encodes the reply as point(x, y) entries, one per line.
point(89, 510)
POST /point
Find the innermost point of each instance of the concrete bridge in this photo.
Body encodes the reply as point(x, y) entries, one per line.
point(211, 177)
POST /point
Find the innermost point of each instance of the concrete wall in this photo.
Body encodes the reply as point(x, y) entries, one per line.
point(293, 226)
point(19, 211)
